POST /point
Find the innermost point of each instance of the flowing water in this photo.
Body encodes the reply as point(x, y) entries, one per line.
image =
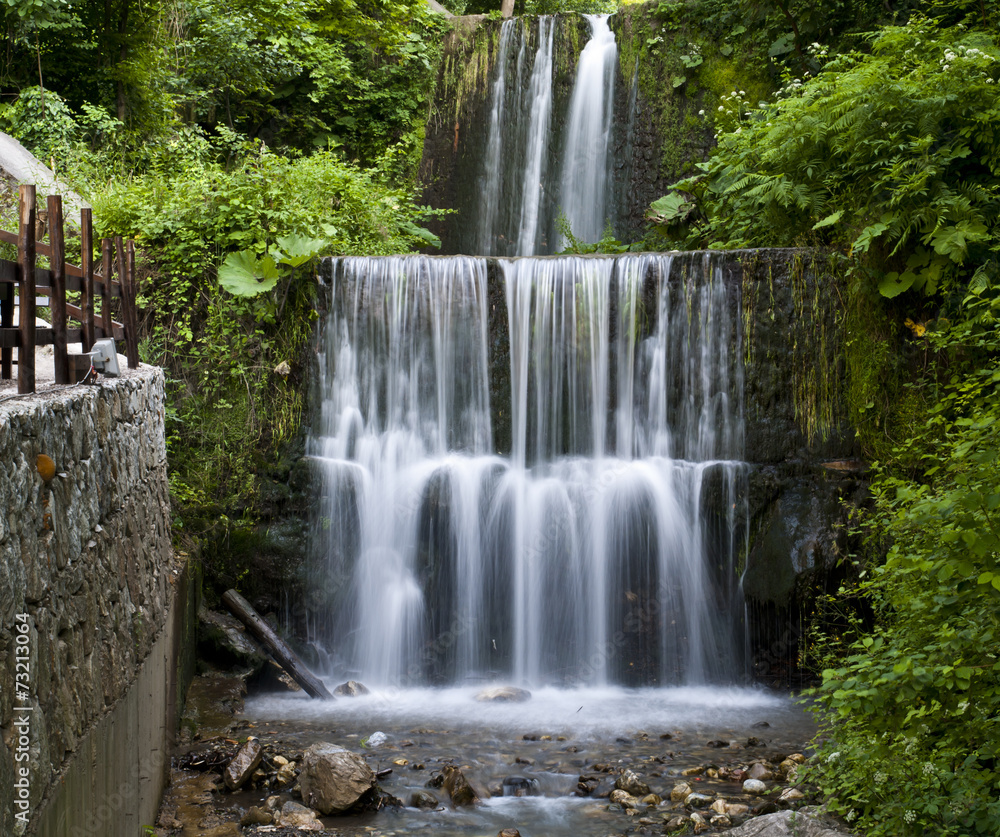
point(586, 161)
point(602, 549)
point(531, 173)
point(547, 743)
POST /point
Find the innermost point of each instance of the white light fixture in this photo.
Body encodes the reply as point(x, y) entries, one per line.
point(104, 358)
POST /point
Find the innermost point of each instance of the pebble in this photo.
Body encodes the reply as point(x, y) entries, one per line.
point(624, 798)
point(754, 786)
point(257, 816)
point(680, 792)
point(631, 783)
point(698, 800)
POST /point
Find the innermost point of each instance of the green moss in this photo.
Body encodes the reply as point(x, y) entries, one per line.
point(468, 58)
point(882, 409)
point(659, 45)
point(719, 76)
point(810, 354)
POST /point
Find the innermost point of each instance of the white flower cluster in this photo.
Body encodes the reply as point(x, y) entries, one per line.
point(733, 107)
point(833, 757)
point(928, 769)
point(793, 86)
point(880, 777)
point(910, 816)
point(968, 55)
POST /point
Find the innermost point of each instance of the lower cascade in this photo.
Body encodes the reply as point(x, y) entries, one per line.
point(531, 471)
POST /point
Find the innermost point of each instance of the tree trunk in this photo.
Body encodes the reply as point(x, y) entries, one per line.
point(283, 655)
point(507, 8)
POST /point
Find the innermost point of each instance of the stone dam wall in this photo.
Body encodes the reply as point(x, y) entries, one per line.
point(800, 449)
point(94, 607)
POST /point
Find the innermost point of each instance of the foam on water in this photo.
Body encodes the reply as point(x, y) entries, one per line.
point(597, 713)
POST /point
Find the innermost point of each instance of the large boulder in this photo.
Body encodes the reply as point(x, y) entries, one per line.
point(787, 824)
point(333, 779)
point(503, 694)
point(352, 688)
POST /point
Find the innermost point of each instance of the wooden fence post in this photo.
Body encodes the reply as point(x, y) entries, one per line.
point(57, 264)
point(106, 321)
point(6, 321)
point(26, 290)
point(128, 308)
point(87, 268)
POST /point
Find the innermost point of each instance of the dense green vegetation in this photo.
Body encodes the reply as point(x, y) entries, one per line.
point(888, 153)
point(261, 132)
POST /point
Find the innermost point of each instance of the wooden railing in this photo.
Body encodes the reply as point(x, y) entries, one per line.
point(22, 276)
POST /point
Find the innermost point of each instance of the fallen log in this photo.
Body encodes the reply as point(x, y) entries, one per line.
point(275, 646)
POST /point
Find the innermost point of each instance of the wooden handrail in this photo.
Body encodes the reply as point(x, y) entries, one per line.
point(55, 281)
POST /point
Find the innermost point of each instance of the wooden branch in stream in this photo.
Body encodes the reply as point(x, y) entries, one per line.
point(283, 655)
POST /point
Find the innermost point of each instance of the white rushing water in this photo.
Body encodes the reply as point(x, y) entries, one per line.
point(535, 152)
point(602, 548)
point(533, 167)
point(591, 713)
point(586, 159)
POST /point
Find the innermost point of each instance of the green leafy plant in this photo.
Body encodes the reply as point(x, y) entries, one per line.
point(244, 274)
point(911, 706)
point(891, 156)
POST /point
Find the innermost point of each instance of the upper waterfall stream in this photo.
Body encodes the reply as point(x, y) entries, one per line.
point(532, 170)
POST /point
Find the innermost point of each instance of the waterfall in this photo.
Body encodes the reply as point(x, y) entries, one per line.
point(603, 548)
point(404, 404)
point(586, 160)
point(523, 185)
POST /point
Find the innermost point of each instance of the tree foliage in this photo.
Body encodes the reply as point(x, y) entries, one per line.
point(316, 74)
point(229, 292)
point(892, 155)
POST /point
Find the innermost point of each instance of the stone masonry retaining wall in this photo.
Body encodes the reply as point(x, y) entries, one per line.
point(87, 578)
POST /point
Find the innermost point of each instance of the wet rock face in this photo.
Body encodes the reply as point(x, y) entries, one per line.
point(519, 786)
point(224, 641)
point(334, 779)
